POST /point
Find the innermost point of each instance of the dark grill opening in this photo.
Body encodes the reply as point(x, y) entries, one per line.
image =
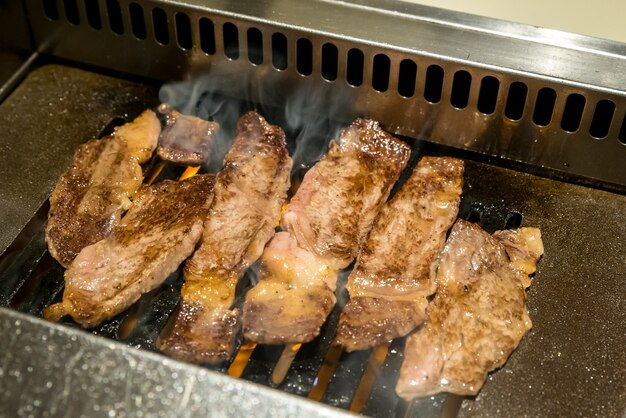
point(573, 112)
point(602, 118)
point(461, 89)
point(330, 55)
point(488, 95)
point(354, 72)
point(304, 56)
point(207, 35)
point(159, 23)
point(434, 84)
point(406, 78)
point(279, 51)
point(516, 101)
point(93, 14)
point(115, 16)
point(137, 20)
point(231, 41)
point(380, 72)
point(50, 9)
point(71, 11)
point(183, 31)
point(544, 106)
point(255, 46)
point(622, 131)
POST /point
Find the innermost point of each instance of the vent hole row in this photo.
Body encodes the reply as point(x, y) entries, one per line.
point(489, 92)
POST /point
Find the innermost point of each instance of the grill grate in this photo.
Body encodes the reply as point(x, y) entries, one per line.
point(32, 280)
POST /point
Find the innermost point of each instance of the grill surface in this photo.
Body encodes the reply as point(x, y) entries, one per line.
point(571, 363)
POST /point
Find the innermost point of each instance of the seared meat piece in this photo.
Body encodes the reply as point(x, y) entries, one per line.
point(92, 194)
point(326, 221)
point(186, 139)
point(249, 193)
point(478, 315)
point(159, 232)
point(395, 269)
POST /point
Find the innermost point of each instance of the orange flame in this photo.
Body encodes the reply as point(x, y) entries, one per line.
point(282, 210)
point(189, 172)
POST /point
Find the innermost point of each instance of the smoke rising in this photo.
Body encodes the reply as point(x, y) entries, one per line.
point(304, 113)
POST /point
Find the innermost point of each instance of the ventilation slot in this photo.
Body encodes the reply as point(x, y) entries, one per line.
point(460, 89)
point(330, 56)
point(513, 220)
point(406, 78)
point(279, 51)
point(115, 16)
point(488, 95)
point(514, 109)
point(183, 31)
point(93, 14)
point(255, 46)
point(380, 73)
point(304, 56)
point(354, 71)
point(622, 132)
point(137, 21)
point(71, 12)
point(50, 9)
point(231, 41)
point(602, 118)
point(544, 106)
point(573, 112)
point(434, 84)
point(159, 20)
point(207, 35)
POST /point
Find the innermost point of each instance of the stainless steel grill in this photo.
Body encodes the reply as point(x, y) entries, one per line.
point(464, 85)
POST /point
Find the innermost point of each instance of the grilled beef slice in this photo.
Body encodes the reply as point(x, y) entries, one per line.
point(325, 223)
point(93, 193)
point(478, 315)
point(249, 193)
point(394, 273)
point(158, 232)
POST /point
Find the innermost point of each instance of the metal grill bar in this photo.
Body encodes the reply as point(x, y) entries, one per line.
point(455, 44)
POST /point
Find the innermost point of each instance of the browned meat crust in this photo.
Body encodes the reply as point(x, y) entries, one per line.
point(369, 321)
point(158, 233)
point(339, 197)
point(92, 194)
point(478, 316)
point(394, 273)
point(186, 139)
point(249, 193)
point(326, 221)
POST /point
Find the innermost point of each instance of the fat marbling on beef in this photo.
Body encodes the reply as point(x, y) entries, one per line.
point(158, 232)
point(249, 193)
point(325, 223)
point(478, 315)
point(93, 193)
point(395, 269)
